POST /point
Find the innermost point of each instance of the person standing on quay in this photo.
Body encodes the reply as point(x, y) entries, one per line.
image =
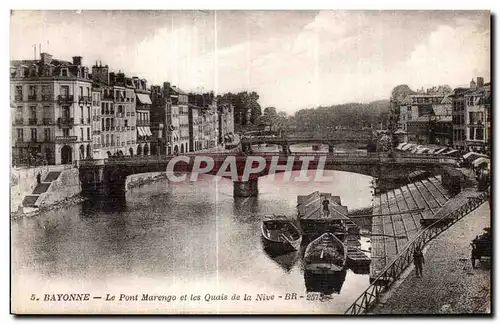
point(418, 260)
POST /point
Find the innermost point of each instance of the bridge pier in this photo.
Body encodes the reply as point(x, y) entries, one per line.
point(248, 188)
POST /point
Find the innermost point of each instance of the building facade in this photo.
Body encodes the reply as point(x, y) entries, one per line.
point(143, 107)
point(421, 115)
point(52, 114)
point(118, 115)
point(164, 124)
point(472, 116)
point(226, 122)
point(195, 122)
point(179, 101)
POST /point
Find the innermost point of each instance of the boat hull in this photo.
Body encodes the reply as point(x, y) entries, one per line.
point(284, 239)
point(325, 255)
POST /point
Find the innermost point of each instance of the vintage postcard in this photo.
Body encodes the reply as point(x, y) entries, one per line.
point(250, 162)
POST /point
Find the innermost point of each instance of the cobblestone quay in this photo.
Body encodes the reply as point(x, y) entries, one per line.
point(449, 284)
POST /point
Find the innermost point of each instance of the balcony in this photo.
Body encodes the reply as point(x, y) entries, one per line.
point(66, 139)
point(96, 132)
point(18, 98)
point(46, 98)
point(142, 123)
point(48, 121)
point(32, 121)
point(65, 122)
point(65, 99)
point(19, 121)
point(84, 100)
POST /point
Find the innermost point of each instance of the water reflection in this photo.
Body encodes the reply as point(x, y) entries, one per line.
point(326, 284)
point(286, 261)
point(173, 236)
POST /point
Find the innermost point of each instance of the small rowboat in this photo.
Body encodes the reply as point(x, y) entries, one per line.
point(326, 254)
point(280, 235)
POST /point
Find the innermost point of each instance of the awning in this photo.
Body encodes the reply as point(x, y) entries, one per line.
point(440, 150)
point(144, 99)
point(141, 131)
point(400, 146)
point(147, 131)
point(480, 161)
point(450, 152)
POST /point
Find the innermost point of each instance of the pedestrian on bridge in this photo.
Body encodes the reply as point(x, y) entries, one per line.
point(418, 261)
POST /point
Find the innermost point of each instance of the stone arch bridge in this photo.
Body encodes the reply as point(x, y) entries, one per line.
point(110, 174)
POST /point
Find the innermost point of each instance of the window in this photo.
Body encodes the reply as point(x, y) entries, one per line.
point(64, 91)
point(471, 133)
point(19, 112)
point(65, 131)
point(81, 133)
point(33, 134)
point(46, 134)
point(33, 112)
point(20, 134)
point(81, 91)
point(126, 123)
point(88, 134)
point(88, 92)
point(81, 115)
point(19, 93)
point(102, 108)
point(32, 92)
point(45, 92)
point(480, 134)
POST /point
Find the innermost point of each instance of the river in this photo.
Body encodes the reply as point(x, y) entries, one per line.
point(190, 238)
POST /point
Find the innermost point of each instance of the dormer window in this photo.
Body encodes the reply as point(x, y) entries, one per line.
point(64, 72)
point(33, 71)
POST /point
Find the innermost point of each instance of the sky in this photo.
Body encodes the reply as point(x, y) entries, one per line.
point(292, 59)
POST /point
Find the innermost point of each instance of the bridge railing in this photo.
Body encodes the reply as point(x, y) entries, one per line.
point(371, 296)
point(345, 156)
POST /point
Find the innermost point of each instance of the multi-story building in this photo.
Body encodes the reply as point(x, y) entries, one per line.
point(472, 116)
point(203, 121)
point(96, 123)
point(421, 114)
point(118, 117)
point(53, 110)
point(226, 122)
point(179, 101)
point(195, 122)
point(162, 118)
point(142, 108)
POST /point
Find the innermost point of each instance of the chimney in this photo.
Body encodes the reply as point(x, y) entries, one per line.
point(472, 84)
point(77, 60)
point(480, 81)
point(46, 58)
point(166, 89)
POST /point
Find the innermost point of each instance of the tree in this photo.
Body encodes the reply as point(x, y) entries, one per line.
point(400, 92)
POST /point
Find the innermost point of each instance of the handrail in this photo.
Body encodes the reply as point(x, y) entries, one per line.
point(370, 297)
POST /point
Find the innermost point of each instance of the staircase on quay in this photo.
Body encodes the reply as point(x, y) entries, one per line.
point(30, 201)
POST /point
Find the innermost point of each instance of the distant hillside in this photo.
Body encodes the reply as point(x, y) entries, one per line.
point(356, 115)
